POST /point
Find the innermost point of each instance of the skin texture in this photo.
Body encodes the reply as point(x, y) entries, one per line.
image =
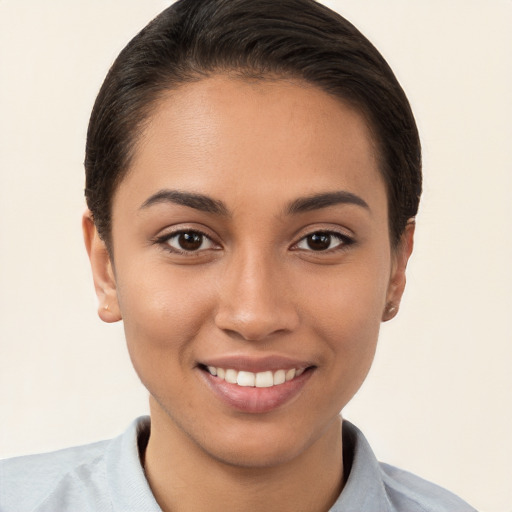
point(254, 288)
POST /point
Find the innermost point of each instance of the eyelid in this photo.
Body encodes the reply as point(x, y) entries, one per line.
point(163, 240)
point(345, 239)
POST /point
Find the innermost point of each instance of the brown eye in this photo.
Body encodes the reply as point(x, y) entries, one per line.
point(189, 241)
point(323, 241)
point(319, 241)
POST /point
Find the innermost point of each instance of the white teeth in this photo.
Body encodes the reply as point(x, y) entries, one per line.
point(264, 380)
point(246, 379)
point(231, 376)
point(279, 377)
point(260, 380)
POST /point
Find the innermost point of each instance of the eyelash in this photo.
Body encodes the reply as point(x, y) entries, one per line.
point(344, 242)
point(165, 239)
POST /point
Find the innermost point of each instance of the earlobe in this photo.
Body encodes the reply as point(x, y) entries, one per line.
point(102, 271)
point(390, 311)
point(398, 278)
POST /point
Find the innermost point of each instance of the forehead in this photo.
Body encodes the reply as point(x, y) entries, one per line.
point(222, 134)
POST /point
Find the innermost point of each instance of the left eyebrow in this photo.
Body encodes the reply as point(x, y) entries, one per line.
point(324, 200)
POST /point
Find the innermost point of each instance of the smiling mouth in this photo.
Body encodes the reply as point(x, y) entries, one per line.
point(266, 379)
point(259, 391)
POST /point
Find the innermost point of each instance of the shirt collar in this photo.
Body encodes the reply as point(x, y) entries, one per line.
point(129, 489)
point(364, 488)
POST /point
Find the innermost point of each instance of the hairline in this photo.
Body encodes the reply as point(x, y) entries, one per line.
point(246, 75)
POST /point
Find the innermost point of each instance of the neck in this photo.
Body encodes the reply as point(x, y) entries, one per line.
point(184, 478)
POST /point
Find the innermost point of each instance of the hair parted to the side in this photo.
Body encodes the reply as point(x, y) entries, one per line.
point(300, 39)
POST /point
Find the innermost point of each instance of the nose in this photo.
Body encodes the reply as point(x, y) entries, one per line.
point(256, 301)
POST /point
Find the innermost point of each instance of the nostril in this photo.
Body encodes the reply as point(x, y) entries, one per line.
point(253, 324)
point(254, 334)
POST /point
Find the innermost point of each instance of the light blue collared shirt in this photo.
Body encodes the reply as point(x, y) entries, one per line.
point(108, 477)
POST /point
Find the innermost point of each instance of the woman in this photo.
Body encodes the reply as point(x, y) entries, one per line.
point(252, 178)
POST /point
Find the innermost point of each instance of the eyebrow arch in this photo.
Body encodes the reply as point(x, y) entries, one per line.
point(323, 200)
point(192, 200)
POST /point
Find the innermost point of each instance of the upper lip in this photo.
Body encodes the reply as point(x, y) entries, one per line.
point(256, 363)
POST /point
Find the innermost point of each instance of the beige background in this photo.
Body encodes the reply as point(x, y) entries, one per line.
point(439, 398)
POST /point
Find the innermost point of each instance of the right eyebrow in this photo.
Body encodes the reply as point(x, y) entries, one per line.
point(199, 202)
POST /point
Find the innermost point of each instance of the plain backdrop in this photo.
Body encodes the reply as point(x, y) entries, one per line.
point(438, 400)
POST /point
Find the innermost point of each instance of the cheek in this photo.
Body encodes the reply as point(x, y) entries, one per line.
point(351, 297)
point(346, 313)
point(162, 312)
point(350, 335)
point(351, 332)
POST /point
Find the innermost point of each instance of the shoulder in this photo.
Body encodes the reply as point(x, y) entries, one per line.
point(377, 487)
point(99, 477)
point(29, 480)
point(408, 492)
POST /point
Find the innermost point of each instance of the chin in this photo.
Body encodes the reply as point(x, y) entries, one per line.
point(263, 443)
point(258, 453)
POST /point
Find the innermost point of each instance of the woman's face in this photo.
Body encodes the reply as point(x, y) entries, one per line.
point(250, 240)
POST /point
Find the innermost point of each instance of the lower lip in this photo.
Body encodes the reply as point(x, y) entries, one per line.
point(256, 400)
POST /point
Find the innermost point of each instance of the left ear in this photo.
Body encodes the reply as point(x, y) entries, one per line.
point(397, 280)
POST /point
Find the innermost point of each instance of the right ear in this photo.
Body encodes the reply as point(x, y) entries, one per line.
point(102, 271)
